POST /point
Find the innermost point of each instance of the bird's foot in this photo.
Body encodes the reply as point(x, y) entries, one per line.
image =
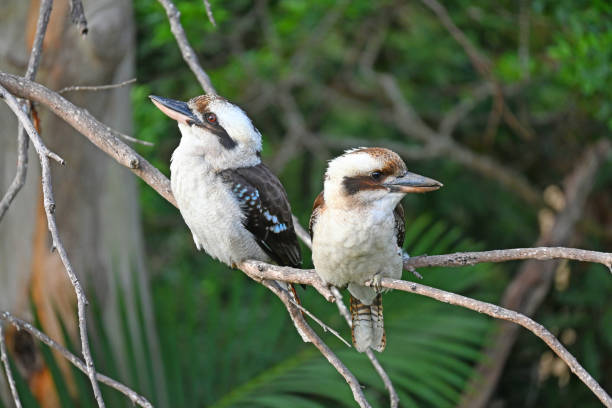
point(377, 282)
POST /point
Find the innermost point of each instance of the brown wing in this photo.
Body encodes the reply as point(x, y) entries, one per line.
point(319, 204)
point(264, 203)
point(400, 224)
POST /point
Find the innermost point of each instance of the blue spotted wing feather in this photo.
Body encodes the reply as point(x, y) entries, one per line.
point(267, 213)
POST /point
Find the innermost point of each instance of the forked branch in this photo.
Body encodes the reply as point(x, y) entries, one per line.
point(77, 362)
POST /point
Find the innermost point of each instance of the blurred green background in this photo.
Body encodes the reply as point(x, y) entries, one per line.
point(227, 342)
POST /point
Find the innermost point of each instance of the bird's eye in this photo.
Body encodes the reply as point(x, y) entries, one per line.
point(376, 175)
point(211, 118)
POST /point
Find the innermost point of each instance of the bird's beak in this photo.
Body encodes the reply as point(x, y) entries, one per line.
point(176, 110)
point(413, 183)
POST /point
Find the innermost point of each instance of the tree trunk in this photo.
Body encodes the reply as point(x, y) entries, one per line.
point(97, 200)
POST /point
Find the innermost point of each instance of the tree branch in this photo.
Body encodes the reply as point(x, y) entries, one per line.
point(20, 174)
point(44, 154)
point(288, 274)
point(78, 363)
point(98, 133)
point(499, 312)
point(300, 322)
point(209, 13)
point(95, 87)
point(174, 16)
point(504, 255)
point(44, 13)
point(7, 368)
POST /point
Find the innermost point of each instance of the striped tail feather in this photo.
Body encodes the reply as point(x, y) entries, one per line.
point(368, 327)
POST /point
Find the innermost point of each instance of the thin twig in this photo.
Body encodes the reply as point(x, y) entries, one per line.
point(41, 29)
point(44, 155)
point(77, 16)
point(209, 13)
point(505, 255)
point(20, 175)
point(299, 321)
point(95, 87)
point(174, 16)
point(499, 312)
point(7, 368)
point(22, 141)
point(325, 327)
point(78, 363)
point(344, 312)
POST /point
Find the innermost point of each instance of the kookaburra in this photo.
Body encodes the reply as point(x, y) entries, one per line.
point(235, 207)
point(357, 229)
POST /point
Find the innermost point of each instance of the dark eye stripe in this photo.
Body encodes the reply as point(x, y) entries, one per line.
point(352, 185)
point(216, 129)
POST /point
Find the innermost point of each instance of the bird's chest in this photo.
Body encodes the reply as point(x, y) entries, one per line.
point(353, 247)
point(213, 215)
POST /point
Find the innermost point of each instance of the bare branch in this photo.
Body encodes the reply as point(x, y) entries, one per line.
point(77, 16)
point(41, 29)
point(96, 87)
point(22, 141)
point(479, 61)
point(7, 368)
point(344, 312)
point(299, 321)
point(174, 16)
point(209, 13)
point(302, 276)
point(325, 327)
point(78, 363)
point(260, 270)
point(20, 175)
point(499, 312)
point(504, 255)
point(98, 133)
point(44, 154)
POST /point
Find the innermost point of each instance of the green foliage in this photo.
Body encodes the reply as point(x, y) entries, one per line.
point(583, 52)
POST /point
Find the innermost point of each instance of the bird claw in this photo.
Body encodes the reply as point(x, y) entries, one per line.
point(377, 283)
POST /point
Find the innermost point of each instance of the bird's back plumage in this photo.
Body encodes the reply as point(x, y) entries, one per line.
point(267, 213)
